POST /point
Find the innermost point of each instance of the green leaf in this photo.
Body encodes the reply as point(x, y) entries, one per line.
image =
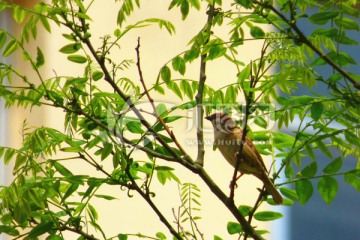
point(304, 190)
point(45, 23)
point(323, 17)
point(77, 59)
point(20, 160)
point(233, 228)
point(214, 49)
point(92, 212)
point(184, 8)
point(12, 231)
point(267, 216)
point(161, 109)
point(175, 88)
point(11, 47)
point(257, 32)
point(347, 23)
point(54, 237)
point(106, 150)
point(70, 191)
point(217, 237)
point(334, 166)
point(195, 3)
point(245, 210)
point(2, 39)
point(35, 198)
point(107, 197)
point(324, 148)
point(2, 150)
point(317, 109)
point(159, 89)
point(97, 75)
point(179, 65)
point(230, 94)
point(61, 169)
point(122, 236)
point(70, 48)
point(162, 177)
point(134, 127)
point(340, 58)
point(328, 187)
point(352, 138)
point(40, 60)
point(353, 179)
point(283, 140)
point(165, 74)
point(9, 155)
point(40, 229)
point(310, 170)
point(260, 121)
point(171, 118)
point(310, 152)
point(187, 89)
point(191, 54)
point(19, 14)
point(160, 235)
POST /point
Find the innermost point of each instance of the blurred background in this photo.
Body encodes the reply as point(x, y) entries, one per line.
point(314, 221)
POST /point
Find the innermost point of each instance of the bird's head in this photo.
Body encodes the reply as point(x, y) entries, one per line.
point(221, 121)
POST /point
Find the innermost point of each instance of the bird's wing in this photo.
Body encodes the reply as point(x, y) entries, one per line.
point(259, 158)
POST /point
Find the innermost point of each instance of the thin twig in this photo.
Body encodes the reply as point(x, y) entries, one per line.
point(239, 156)
point(151, 100)
point(303, 39)
point(147, 198)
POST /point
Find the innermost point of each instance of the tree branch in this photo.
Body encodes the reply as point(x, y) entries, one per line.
point(147, 198)
point(151, 100)
point(200, 93)
point(304, 40)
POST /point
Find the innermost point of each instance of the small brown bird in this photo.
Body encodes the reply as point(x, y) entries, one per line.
point(227, 137)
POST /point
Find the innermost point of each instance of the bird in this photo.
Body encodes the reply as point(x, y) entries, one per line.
point(227, 138)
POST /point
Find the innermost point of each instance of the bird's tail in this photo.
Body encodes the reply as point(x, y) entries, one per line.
point(273, 191)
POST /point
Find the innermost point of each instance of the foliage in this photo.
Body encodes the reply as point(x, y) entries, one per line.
point(48, 198)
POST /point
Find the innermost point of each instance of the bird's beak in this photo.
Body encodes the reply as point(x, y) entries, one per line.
point(208, 118)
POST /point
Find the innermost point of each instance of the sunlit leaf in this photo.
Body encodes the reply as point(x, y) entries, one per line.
point(267, 216)
point(165, 74)
point(178, 64)
point(61, 169)
point(2, 39)
point(19, 14)
point(10, 47)
point(77, 59)
point(234, 228)
point(70, 48)
point(134, 127)
point(245, 210)
point(97, 75)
